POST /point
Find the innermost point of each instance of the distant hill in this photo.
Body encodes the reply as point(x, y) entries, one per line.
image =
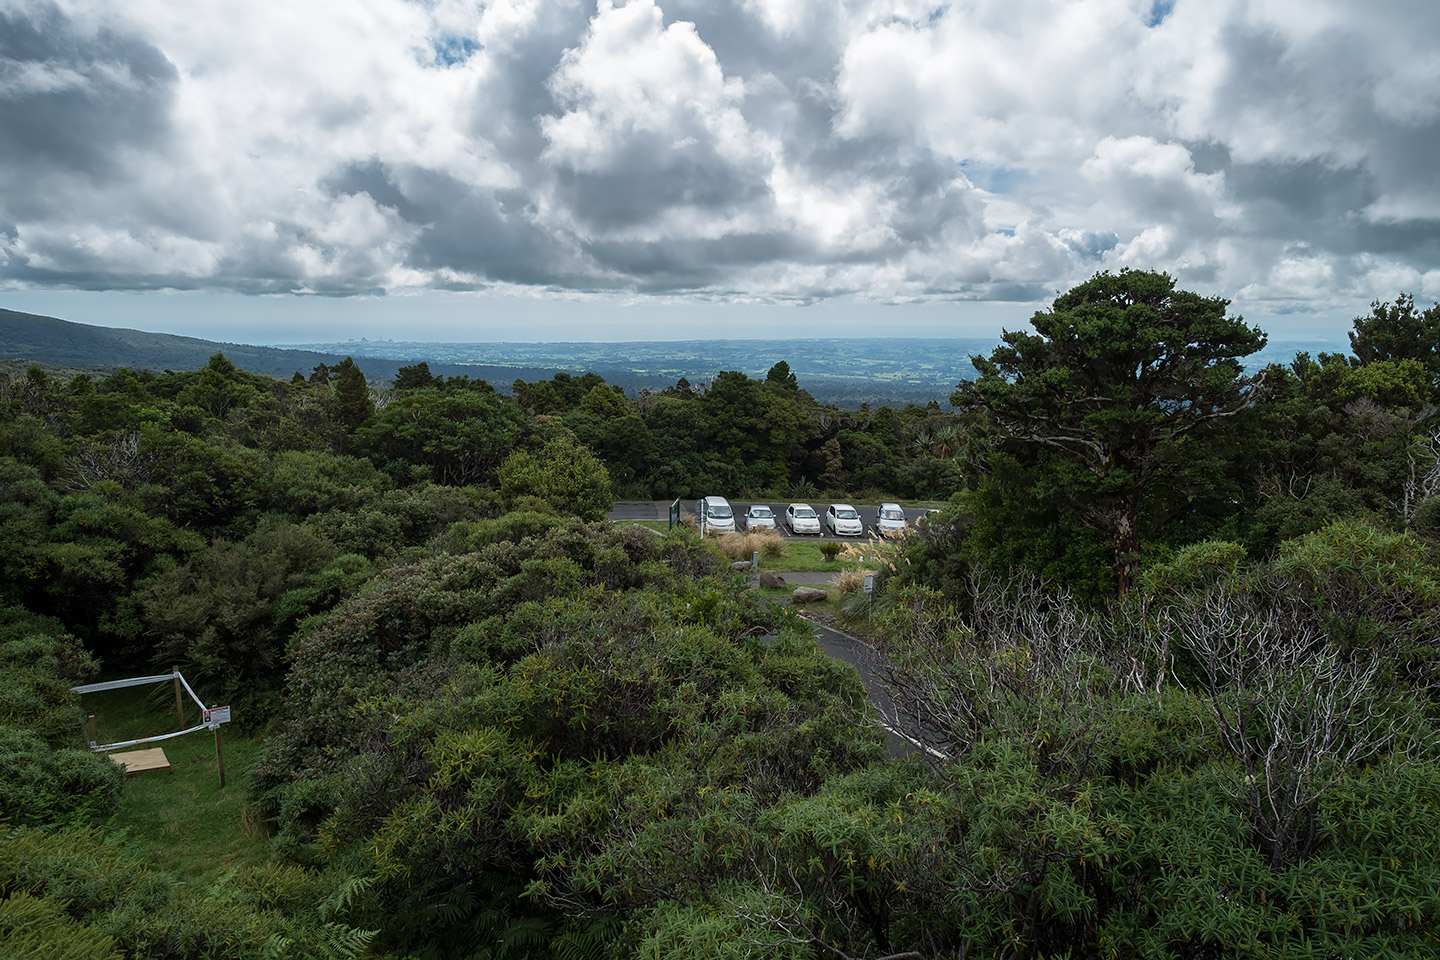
point(28, 338)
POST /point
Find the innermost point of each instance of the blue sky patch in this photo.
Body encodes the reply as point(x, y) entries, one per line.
point(1159, 10)
point(992, 178)
point(452, 50)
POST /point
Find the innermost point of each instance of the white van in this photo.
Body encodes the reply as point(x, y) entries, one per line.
point(715, 515)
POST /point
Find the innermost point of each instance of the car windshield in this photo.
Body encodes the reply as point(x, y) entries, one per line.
point(892, 513)
point(804, 512)
point(760, 511)
point(719, 511)
point(847, 514)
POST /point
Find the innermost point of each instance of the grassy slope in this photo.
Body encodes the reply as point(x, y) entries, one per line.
point(181, 821)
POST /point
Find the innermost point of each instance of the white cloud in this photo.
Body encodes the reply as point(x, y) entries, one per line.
point(634, 76)
point(1276, 150)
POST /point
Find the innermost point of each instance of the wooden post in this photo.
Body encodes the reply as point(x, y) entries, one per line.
point(219, 757)
point(179, 704)
point(91, 730)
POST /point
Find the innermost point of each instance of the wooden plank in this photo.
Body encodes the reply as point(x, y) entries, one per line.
point(142, 761)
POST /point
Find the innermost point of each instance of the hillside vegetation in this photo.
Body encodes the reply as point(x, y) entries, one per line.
point(1170, 652)
point(29, 338)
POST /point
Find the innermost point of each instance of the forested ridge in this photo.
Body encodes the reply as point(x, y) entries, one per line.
point(1169, 650)
point(52, 342)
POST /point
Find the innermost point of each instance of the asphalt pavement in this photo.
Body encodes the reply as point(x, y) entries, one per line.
point(870, 664)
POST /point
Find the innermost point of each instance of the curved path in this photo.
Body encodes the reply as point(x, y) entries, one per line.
point(869, 663)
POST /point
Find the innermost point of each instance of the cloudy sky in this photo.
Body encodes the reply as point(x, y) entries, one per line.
point(273, 171)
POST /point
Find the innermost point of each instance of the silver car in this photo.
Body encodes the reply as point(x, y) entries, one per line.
point(890, 520)
point(759, 517)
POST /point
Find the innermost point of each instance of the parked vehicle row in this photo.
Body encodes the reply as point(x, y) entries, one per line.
point(799, 519)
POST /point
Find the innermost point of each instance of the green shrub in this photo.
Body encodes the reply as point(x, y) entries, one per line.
point(1195, 567)
point(85, 875)
point(36, 927)
point(829, 549)
point(564, 474)
point(39, 669)
point(41, 786)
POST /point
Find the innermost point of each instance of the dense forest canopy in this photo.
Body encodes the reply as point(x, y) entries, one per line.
point(1168, 653)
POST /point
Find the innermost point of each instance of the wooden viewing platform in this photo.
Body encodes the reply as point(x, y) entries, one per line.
point(142, 761)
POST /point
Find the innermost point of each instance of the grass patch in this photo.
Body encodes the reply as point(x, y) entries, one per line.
point(181, 821)
point(803, 556)
point(830, 607)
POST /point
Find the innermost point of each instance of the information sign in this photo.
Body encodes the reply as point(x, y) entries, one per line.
point(217, 715)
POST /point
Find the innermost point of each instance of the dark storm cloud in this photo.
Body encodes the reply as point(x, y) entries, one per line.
point(70, 97)
point(516, 92)
point(1311, 197)
point(372, 178)
point(695, 262)
point(1092, 245)
point(1336, 134)
point(647, 177)
point(490, 234)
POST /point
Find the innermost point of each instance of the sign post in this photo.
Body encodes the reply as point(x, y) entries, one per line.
point(219, 757)
point(213, 718)
point(674, 513)
point(179, 704)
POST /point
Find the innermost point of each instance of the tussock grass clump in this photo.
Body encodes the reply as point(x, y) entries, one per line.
point(849, 581)
point(768, 542)
point(741, 546)
point(829, 549)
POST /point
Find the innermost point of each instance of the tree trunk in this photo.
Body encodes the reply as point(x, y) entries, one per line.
point(1127, 547)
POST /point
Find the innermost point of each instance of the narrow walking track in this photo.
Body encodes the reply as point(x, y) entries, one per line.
point(869, 663)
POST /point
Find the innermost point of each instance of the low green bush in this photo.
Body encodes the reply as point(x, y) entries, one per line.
point(43, 786)
point(36, 927)
point(40, 665)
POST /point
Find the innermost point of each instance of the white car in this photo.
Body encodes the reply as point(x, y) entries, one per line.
point(715, 515)
point(890, 520)
point(801, 518)
point(844, 521)
point(759, 517)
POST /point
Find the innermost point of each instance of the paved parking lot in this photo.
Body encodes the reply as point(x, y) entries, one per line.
point(660, 510)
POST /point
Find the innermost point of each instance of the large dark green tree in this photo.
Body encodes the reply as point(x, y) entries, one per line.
point(1398, 331)
point(1120, 372)
point(458, 436)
